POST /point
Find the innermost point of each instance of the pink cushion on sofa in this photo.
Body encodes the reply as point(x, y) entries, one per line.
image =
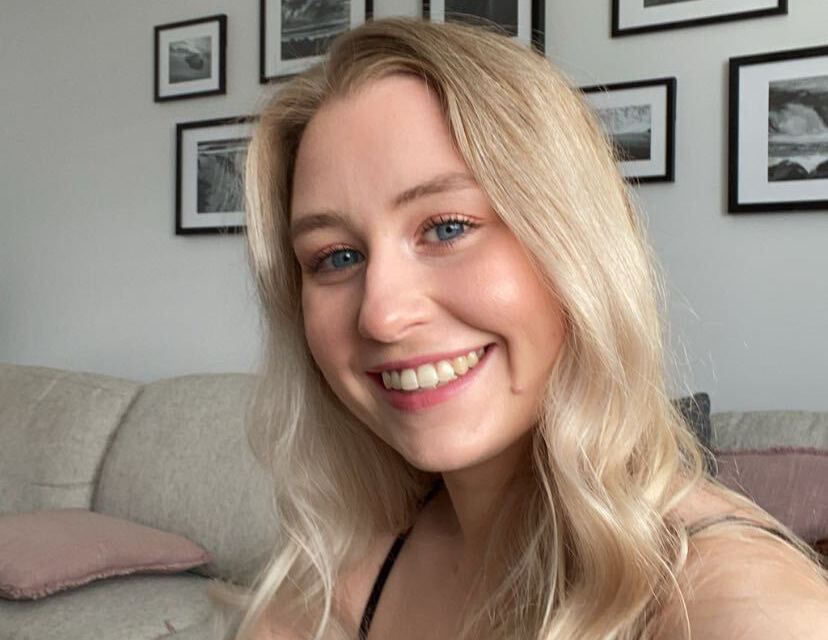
point(48, 551)
point(788, 482)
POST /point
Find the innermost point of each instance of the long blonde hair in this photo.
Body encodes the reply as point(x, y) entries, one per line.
point(587, 546)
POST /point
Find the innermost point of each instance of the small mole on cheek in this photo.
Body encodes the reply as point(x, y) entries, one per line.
point(514, 386)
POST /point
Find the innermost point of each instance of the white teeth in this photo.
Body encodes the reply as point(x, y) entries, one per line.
point(460, 365)
point(430, 376)
point(445, 371)
point(408, 380)
point(427, 376)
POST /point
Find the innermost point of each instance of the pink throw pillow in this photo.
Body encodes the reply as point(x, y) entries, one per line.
point(47, 551)
point(788, 482)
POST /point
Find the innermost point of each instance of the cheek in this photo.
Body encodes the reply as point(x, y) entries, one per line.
point(325, 329)
point(330, 323)
point(501, 289)
point(500, 293)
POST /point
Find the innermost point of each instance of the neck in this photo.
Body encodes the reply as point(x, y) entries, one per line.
point(472, 495)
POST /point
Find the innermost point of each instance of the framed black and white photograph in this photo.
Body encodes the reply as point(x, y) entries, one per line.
point(641, 16)
point(295, 34)
point(190, 58)
point(640, 119)
point(209, 172)
point(778, 131)
point(524, 20)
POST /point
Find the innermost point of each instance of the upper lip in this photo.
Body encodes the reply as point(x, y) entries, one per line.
point(411, 363)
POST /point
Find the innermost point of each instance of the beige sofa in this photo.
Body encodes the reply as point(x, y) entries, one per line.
point(172, 455)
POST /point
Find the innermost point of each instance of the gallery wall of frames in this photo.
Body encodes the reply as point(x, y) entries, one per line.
point(777, 119)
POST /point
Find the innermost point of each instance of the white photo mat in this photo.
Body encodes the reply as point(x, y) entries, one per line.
point(190, 138)
point(752, 174)
point(656, 98)
point(274, 66)
point(633, 13)
point(437, 12)
point(167, 37)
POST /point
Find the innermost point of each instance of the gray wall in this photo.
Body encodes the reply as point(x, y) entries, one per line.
point(93, 278)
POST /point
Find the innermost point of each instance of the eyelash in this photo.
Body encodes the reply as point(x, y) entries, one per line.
point(432, 223)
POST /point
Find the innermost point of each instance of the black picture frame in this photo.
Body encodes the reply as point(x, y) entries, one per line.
point(209, 167)
point(778, 153)
point(532, 11)
point(629, 16)
point(180, 63)
point(272, 65)
point(644, 154)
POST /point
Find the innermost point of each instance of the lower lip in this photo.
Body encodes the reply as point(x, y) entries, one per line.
point(417, 400)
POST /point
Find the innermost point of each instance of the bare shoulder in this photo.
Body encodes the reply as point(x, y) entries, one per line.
point(741, 582)
point(749, 587)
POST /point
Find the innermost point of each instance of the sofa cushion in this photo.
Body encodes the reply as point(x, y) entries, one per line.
point(55, 427)
point(135, 607)
point(695, 410)
point(779, 459)
point(181, 462)
point(752, 430)
point(48, 551)
point(788, 482)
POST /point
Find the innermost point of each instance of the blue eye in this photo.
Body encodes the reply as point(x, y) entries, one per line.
point(449, 230)
point(344, 258)
point(339, 259)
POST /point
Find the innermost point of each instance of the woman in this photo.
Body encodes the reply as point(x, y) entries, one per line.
point(463, 377)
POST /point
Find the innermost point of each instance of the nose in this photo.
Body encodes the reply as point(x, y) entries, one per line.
point(394, 298)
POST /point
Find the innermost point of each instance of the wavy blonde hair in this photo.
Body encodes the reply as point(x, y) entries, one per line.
point(585, 546)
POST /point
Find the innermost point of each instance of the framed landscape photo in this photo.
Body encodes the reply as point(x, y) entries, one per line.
point(640, 16)
point(778, 131)
point(295, 34)
point(209, 172)
point(640, 119)
point(190, 58)
point(524, 20)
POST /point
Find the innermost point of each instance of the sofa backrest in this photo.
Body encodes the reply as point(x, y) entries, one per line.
point(779, 459)
point(55, 427)
point(180, 462)
point(739, 431)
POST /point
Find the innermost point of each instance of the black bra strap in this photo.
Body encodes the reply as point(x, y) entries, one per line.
point(705, 523)
point(382, 576)
point(371, 606)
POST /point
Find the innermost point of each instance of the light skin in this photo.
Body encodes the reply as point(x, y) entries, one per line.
point(390, 288)
point(396, 289)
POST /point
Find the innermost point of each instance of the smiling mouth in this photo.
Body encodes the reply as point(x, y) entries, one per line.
point(423, 397)
point(432, 375)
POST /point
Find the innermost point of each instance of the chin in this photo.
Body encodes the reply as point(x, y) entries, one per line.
point(435, 456)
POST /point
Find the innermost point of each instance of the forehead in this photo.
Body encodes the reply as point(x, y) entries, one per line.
point(371, 145)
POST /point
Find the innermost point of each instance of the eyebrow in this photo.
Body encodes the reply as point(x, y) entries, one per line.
point(442, 183)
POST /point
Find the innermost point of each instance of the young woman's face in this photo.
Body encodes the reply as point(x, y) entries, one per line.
point(406, 271)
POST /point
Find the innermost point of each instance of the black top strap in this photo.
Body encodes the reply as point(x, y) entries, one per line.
point(709, 522)
point(379, 583)
point(385, 570)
